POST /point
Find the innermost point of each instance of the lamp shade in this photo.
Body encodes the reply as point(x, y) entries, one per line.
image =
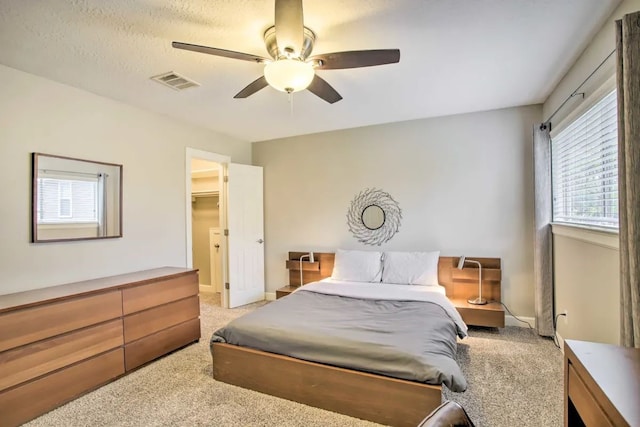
point(461, 262)
point(289, 75)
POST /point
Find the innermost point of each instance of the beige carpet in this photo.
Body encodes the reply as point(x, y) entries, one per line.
point(515, 378)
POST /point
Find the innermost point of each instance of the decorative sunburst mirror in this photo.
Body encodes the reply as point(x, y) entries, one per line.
point(374, 217)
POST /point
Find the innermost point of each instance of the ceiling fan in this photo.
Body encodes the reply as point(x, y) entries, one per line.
point(290, 68)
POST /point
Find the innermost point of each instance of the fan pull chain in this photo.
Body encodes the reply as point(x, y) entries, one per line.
point(291, 103)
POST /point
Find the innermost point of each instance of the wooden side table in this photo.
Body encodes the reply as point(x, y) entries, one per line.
point(284, 291)
point(490, 314)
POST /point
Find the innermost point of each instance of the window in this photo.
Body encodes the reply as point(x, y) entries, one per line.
point(64, 201)
point(584, 161)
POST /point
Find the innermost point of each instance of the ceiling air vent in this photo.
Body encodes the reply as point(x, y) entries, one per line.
point(174, 81)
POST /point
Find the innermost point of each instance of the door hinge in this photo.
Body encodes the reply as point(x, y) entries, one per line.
point(226, 231)
point(226, 285)
point(226, 178)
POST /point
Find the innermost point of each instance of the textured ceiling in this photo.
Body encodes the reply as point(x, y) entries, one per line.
point(456, 56)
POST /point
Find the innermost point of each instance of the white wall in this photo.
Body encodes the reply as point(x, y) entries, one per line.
point(586, 274)
point(586, 277)
point(43, 116)
point(596, 51)
point(464, 184)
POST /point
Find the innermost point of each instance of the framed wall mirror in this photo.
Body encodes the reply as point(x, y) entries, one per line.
point(74, 199)
point(372, 217)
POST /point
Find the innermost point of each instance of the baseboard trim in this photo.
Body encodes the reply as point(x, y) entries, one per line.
point(560, 342)
point(512, 321)
point(206, 289)
point(270, 296)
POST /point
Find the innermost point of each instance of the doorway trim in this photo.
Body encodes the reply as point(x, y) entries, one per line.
point(223, 160)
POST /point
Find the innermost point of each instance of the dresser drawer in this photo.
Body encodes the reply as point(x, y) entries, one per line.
point(142, 297)
point(156, 345)
point(156, 319)
point(584, 402)
point(37, 323)
point(33, 360)
point(25, 402)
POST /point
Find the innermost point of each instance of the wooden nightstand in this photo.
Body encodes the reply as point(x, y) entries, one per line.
point(491, 314)
point(284, 291)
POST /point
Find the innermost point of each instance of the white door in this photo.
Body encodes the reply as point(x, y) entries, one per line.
point(246, 235)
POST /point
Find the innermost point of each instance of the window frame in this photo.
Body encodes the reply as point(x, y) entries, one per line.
point(571, 229)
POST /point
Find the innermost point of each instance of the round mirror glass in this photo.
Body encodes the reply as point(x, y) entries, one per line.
point(373, 217)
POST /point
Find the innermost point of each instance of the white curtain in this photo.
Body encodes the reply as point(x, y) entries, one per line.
point(628, 78)
point(543, 255)
point(102, 204)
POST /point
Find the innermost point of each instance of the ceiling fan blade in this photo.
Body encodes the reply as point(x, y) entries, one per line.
point(324, 90)
point(356, 59)
point(289, 24)
point(253, 87)
point(218, 52)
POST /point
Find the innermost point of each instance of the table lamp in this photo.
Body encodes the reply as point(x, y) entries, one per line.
point(310, 256)
point(479, 300)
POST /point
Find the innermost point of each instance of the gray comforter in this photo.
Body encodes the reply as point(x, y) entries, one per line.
point(397, 331)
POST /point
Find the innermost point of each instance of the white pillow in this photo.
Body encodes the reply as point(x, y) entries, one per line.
point(411, 268)
point(357, 266)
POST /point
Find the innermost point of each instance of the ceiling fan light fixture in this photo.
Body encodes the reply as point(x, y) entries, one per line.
point(289, 43)
point(289, 75)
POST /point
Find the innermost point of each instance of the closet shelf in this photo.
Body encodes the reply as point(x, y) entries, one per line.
point(205, 193)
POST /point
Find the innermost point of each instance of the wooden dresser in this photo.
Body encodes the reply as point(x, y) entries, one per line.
point(601, 385)
point(58, 343)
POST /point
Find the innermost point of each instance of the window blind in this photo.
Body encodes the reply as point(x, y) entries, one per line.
point(584, 162)
point(67, 200)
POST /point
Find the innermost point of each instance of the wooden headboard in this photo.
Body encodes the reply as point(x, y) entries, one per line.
point(460, 284)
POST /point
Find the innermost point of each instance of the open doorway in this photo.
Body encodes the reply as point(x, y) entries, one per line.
point(205, 225)
point(239, 206)
point(206, 221)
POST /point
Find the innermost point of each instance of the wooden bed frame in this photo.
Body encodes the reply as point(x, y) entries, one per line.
point(372, 397)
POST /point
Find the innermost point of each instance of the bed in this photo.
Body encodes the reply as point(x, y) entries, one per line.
point(346, 346)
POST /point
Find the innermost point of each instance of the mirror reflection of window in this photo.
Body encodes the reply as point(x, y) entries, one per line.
point(75, 199)
point(373, 217)
point(67, 200)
